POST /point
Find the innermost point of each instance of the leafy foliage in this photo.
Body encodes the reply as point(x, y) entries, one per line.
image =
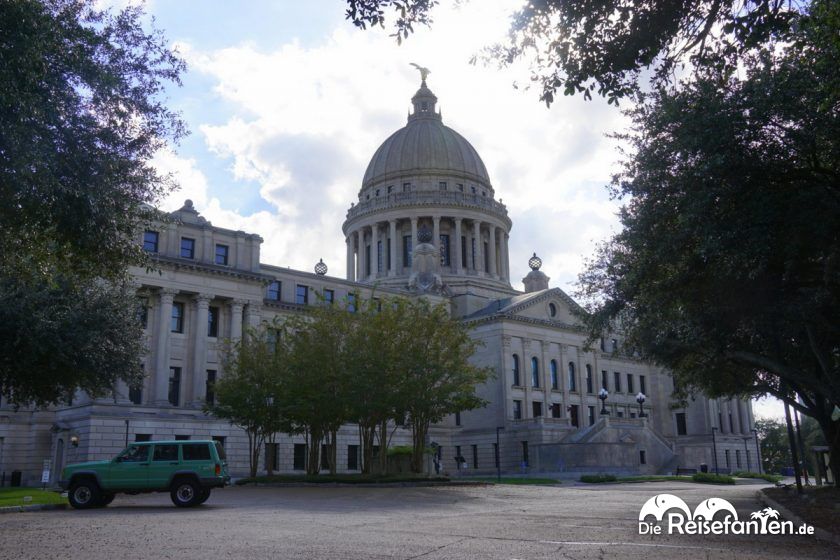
point(726, 269)
point(712, 478)
point(80, 117)
point(605, 46)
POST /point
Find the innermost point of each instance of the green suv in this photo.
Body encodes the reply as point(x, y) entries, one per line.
point(187, 469)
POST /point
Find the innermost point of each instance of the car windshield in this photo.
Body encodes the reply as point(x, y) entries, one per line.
point(134, 454)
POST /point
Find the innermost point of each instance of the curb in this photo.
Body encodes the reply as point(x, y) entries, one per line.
point(37, 507)
point(360, 484)
point(821, 534)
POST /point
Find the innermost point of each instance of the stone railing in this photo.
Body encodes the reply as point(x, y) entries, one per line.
point(428, 198)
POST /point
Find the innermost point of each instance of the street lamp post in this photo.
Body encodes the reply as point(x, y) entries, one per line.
point(603, 394)
point(714, 448)
point(498, 455)
point(640, 398)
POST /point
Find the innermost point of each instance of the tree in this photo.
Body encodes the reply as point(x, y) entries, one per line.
point(604, 46)
point(251, 394)
point(726, 269)
point(775, 448)
point(434, 352)
point(80, 118)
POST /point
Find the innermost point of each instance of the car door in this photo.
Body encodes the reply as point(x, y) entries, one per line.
point(164, 462)
point(130, 469)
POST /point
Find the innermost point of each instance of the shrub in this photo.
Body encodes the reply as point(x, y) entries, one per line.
point(712, 478)
point(598, 478)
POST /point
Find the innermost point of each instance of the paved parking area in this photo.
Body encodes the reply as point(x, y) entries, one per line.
point(506, 522)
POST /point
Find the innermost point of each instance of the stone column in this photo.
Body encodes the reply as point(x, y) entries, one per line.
point(545, 372)
point(236, 307)
point(413, 238)
point(491, 247)
point(362, 254)
point(374, 250)
point(436, 232)
point(351, 276)
point(357, 237)
point(505, 256)
point(392, 233)
point(457, 246)
point(161, 385)
point(199, 365)
point(479, 264)
point(253, 315)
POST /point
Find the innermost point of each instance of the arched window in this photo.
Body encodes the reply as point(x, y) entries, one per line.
point(516, 370)
point(555, 382)
point(572, 377)
point(535, 372)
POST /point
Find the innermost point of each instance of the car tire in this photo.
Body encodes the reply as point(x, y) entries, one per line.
point(185, 493)
point(106, 499)
point(205, 494)
point(84, 494)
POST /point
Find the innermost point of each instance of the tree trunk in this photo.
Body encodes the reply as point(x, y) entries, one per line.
point(333, 451)
point(313, 465)
point(419, 429)
point(831, 431)
point(366, 435)
point(383, 447)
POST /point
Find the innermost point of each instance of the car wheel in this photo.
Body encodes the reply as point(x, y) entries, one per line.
point(84, 494)
point(185, 493)
point(205, 494)
point(106, 499)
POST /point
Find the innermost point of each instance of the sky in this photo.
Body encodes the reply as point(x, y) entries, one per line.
point(286, 102)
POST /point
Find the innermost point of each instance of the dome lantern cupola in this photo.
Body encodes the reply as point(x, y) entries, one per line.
point(424, 104)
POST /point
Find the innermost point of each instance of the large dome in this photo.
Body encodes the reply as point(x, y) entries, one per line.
point(425, 146)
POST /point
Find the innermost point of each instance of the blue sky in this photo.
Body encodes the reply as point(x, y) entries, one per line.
point(286, 102)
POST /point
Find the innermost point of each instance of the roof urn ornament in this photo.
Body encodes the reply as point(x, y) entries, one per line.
point(321, 268)
point(536, 280)
point(535, 262)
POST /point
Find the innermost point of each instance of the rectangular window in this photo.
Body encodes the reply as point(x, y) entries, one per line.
point(143, 437)
point(444, 250)
point(457, 418)
point(517, 410)
point(604, 379)
point(351, 303)
point(572, 378)
point(325, 456)
point(642, 387)
point(473, 254)
point(738, 458)
point(406, 250)
point(475, 456)
point(681, 426)
point(537, 409)
point(174, 386)
point(196, 452)
point(210, 387)
point(525, 457)
point(591, 410)
point(222, 254)
point(617, 379)
point(150, 241)
point(630, 383)
point(143, 312)
point(406, 187)
point(299, 460)
point(182, 437)
point(728, 459)
point(220, 442)
point(573, 416)
point(166, 452)
point(301, 294)
point(731, 424)
point(555, 410)
point(367, 261)
point(272, 456)
point(379, 256)
point(642, 457)
point(177, 323)
point(352, 457)
point(486, 255)
point(329, 296)
point(135, 394)
point(213, 321)
point(442, 186)
point(589, 382)
point(187, 248)
point(388, 257)
point(273, 292)
point(464, 251)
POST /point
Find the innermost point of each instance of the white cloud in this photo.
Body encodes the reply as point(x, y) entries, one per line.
point(307, 119)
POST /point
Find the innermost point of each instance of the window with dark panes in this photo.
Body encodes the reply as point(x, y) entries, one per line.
point(329, 296)
point(182, 437)
point(589, 382)
point(143, 437)
point(177, 322)
point(537, 408)
point(630, 383)
point(187, 248)
point(196, 452)
point(222, 253)
point(301, 294)
point(165, 452)
point(213, 321)
point(572, 377)
point(299, 457)
point(406, 250)
point(681, 425)
point(174, 386)
point(150, 241)
point(352, 457)
point(444, 250)
point(273, 292)
point(517, 410)
point(617, 380)
point(135, 454)
point(210, 387)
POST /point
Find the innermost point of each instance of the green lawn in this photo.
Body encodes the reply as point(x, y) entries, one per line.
point(339, 478)
point(15, 497)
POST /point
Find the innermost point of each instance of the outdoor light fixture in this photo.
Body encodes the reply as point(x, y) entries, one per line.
point(603, 394)
point(74, 440)
point(640, 398)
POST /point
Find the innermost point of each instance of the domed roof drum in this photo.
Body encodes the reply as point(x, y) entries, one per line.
point(425, 146)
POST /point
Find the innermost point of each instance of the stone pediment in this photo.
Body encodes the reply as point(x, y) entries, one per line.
point(551, 305)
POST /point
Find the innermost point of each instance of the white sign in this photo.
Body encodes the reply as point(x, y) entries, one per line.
point(45, 474)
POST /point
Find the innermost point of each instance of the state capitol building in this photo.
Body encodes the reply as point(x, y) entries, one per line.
point(427, 223)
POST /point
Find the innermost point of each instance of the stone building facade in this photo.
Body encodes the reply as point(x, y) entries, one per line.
point(427, 224)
